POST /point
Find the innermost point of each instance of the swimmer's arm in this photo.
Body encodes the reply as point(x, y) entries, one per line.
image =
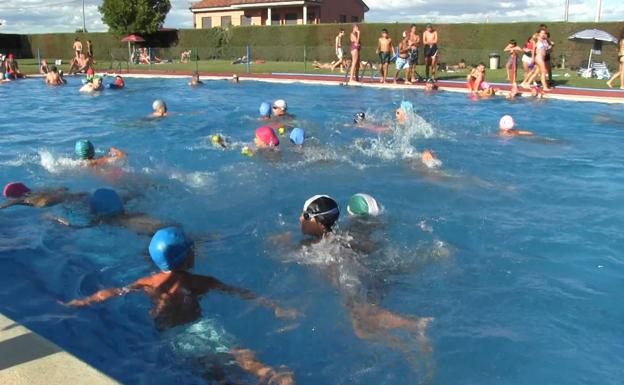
point(117, 153)
point(524, 133)
point(105, 294)
point(14, 202)
point(208, 283)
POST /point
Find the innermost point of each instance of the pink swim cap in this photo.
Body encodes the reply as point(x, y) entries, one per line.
point(267, 136)
point(506, 123)
point(484, 86)
point(15, 190)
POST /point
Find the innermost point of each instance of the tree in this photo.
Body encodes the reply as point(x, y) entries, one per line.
point(129, 16)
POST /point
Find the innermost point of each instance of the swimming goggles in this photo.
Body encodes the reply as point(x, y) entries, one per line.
point(309, 216)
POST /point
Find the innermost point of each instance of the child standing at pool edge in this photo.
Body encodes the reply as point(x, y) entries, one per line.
point(385, 50)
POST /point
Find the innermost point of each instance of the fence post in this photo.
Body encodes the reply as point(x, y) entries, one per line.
point(248, 53)
point(305, 59)
point(149, 50)
point(38, 56)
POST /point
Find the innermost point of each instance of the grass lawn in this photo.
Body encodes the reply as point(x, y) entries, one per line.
point(222, 66)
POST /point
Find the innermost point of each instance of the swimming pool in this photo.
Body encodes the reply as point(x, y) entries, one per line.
point(515, 249)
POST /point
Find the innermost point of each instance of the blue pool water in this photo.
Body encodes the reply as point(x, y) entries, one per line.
point(515, 248)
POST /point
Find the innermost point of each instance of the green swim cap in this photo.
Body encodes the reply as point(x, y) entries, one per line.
point(84, 149)
point(363, 205)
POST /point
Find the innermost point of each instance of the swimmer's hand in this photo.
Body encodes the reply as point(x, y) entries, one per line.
point(75, 303)
point(60, 220)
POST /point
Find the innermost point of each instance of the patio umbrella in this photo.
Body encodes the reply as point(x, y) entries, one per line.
point(132, 39)
point(597, 37)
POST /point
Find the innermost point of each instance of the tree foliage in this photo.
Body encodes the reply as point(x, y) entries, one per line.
point(134, 16)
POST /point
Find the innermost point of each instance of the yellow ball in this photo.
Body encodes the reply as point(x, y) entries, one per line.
point(281, 131)
point(246, 151)
point(216, 138)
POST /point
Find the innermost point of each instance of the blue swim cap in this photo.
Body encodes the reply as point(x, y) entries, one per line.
point(265, 110)
point(106, 202)
point(407, 107)
point(169, 248)
point(84, 149)
point(297, 136)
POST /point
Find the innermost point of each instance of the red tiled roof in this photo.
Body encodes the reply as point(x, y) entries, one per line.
point(227, 3)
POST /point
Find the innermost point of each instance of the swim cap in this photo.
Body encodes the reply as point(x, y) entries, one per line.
point(359, 117)
point(159, 105)
point(297, 136)
point(265, 110)
point(485, 85)
point(169, 248)
point(15, 190)
point(506, 123)
point(267, 136)
point(363, 205)
point(407, 107)
point(280, 103)
point(84, 149)
point(119, 82)
point(105, 202)
point(90, 71)
point(324, 205)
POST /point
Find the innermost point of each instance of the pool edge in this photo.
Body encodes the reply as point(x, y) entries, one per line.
point(26, 358)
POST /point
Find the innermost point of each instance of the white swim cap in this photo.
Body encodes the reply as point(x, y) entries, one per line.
point(280, 103)
point(506, 123)
point(159, 104)
point(363, 205)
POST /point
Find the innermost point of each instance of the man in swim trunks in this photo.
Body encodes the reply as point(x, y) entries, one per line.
point(414, 42)
point(356, 46)
point(175, 293)
point(430, 41)
point(385, 50)
point(339, 52)
point(402, 61)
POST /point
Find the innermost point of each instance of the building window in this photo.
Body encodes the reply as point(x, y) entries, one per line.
point(343, 18)
point(291, 18)
point(226, 21)
point(311, 17)
point(245, 20)
point(206, 22)
point(355, 19)
point(275, 18)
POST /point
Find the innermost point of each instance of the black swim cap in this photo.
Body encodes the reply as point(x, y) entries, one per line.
point(359, 117)
point(324, 208)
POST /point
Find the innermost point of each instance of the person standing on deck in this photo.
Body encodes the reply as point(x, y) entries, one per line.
point(339, 52)
point(430, 40)
point(356, 47)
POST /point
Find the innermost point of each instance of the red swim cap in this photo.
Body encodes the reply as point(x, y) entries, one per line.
point(119, 82)
point(267, 136)
point(15, 190)
point(90, 71)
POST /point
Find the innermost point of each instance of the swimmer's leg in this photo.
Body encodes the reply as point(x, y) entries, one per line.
point(247, 360)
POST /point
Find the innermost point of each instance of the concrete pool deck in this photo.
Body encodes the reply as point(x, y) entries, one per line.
point(613, 96)
point(29, 359)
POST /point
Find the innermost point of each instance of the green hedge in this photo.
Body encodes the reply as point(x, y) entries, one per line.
point(472, 42)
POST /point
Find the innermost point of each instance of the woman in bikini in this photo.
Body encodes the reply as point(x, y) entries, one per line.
point(541, 48)
point(356, 46)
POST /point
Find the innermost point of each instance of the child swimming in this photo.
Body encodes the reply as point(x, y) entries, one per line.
point(19, 194)
point(506, 128)
point(195, 80)
point(84, 150)
point(160, 109)
point(118, 84)
point(404, 112)
point(94, 86)
point(175, 294)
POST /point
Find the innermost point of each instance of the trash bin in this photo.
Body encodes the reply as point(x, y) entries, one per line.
point(494, 61)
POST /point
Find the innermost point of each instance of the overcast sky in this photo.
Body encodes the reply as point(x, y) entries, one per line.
point(28, 16)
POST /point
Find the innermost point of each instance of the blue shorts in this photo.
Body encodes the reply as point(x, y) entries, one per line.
point(402, 63)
